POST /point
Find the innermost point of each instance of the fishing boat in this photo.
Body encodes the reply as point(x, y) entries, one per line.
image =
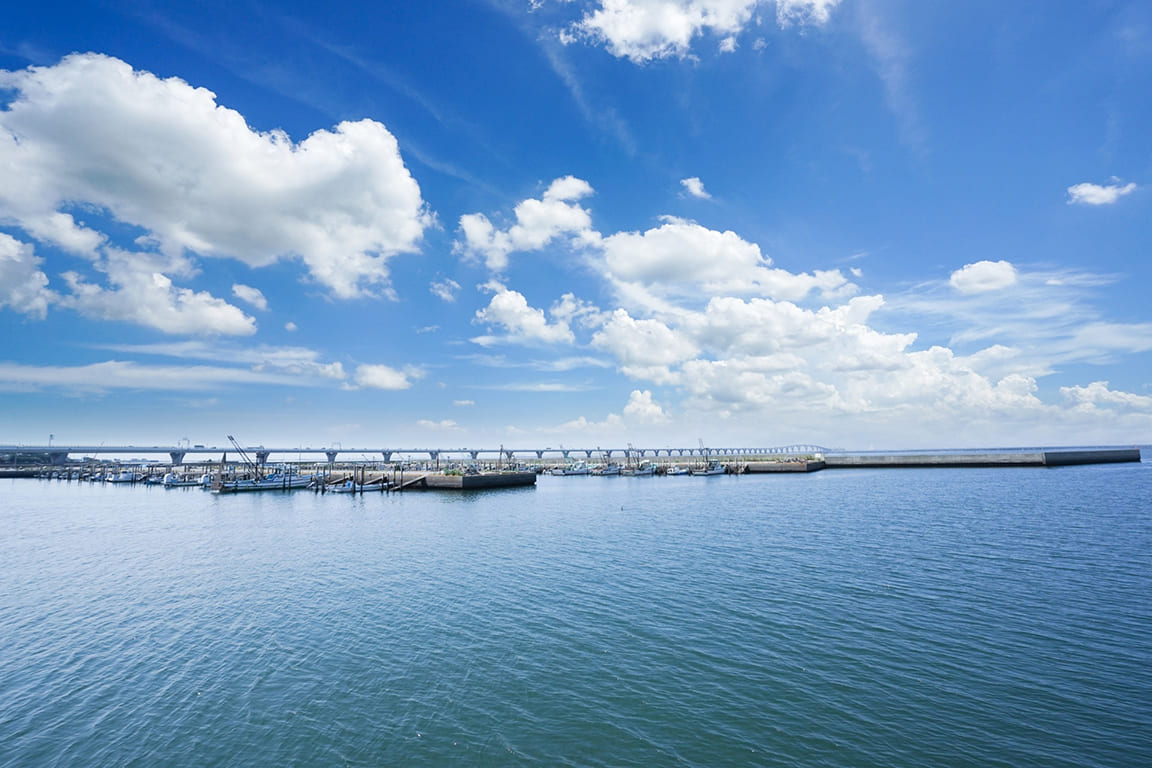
point(572, 468)
point(711, 468)
point(172, 480)
point(281, 480)
point(676, 469)
point(126, 476)
point(607, 470)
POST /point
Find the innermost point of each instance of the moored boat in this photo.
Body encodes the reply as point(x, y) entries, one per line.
point(572, 468)
point(280, 480)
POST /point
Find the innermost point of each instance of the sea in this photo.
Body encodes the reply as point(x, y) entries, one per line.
point(888, 617)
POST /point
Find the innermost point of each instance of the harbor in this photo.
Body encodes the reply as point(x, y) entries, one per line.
point(247, 472)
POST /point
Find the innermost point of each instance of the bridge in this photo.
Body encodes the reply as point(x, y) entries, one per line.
point(58, 454)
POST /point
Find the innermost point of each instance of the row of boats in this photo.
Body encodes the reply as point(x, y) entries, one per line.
point(281, 479)
point(643, 469)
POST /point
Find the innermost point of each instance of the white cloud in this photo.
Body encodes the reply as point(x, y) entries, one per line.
point(790, 12)
point(1096, 194)
point(643, 30)
point(297, 361)
point(445, 425)
point(983, 276)
point(642, 409)
point(643, 347)
point(445, 290)
point(143, 295)
point(538, 222)
point(683, 258)
point(290, 326)
point(23, 286)
point(463, 403)
point(695, 187)
point(250, 295)
point(386, 377)
point(116, 374)
point(509, 310)
point(1098, 394)
point(163, 156)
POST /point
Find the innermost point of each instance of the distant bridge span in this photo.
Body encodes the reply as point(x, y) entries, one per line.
point(58, 454)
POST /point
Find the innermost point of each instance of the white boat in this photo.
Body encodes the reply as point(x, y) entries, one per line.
point(711, 468)
point(348, 486)
point(646, 469)
point(572, 468)
point(280, 480)
point(676, 469)
point(608, 470)
point(126, 476)
point(172, 480)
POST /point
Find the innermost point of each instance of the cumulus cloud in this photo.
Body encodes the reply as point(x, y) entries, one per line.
point(538, 222)
point(695, 187)
point(643, 30)
point(140, 293)
point(644, 348)
point(1099, 394)
point(23, 286)
point(682, 258)
point(250, 295)
point(1097, 194)
point(983, 276)
point(386, 377)
point(522, 323)
point(91, 133)
point(642, 409)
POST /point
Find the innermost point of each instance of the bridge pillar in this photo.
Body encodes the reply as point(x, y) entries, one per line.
point(510, 455)
point(57, 458)
point(331, 456)
point(565, 453)
point(261, 457)
point(540, 455)
point(435, 457)
point(608, 454)
point(474, 454)
point(587, 454)
point(177, 457)
point(387, 455)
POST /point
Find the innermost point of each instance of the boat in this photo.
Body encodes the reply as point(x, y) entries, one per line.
point(676, 469)
point(643, 469)
point(572, 468)
point(172, 480)
point(607, 470)
point(280, 480)
point(125, 476)
point(711, 468)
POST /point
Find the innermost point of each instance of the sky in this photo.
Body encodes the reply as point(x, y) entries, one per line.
point(860, 224)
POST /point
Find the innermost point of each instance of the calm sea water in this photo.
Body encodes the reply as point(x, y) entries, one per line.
point(998, 617)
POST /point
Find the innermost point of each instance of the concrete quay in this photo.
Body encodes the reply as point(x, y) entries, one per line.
point(1053, 458)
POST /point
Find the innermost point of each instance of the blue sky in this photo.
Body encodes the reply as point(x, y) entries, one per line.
point(856, 223)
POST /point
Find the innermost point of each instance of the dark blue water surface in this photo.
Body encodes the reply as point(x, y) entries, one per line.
point(957, 617)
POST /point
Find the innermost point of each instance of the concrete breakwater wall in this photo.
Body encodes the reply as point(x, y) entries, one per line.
point(985, 459)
